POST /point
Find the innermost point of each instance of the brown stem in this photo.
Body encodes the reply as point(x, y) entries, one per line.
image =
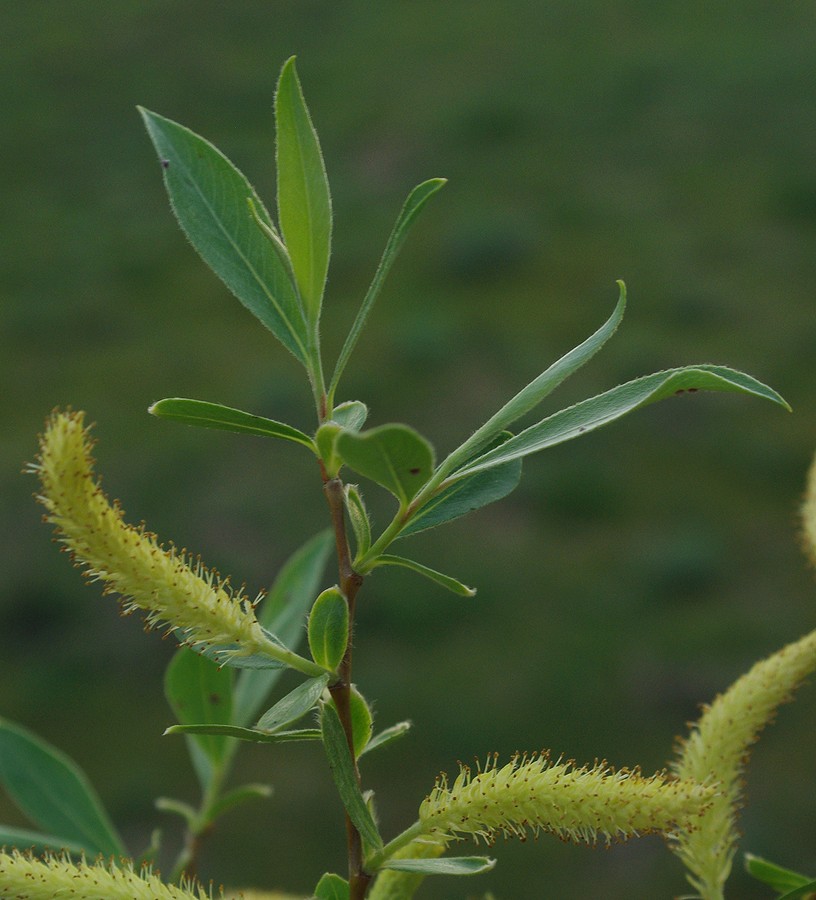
point(350, 582)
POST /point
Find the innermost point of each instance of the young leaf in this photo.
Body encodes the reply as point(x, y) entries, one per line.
point(418, 197)
point(214, 415)
point(342, 768)
point(199, 691)
point(331, 887)
point(282, 612)
point(450, 865)
point(328, 628)
point(604, 408)
point(247, 734)
point(54, 792)
point(445, 581)
point(237, 796)
point(529, 397)
point(209, 195)
point(466, 494)
point(325, 439)
point(351, 415)
point(780, 879)
point(358, 516)
point(304, 204)
point(294, 705)
point(361, 720)
point(386, 736)
point(803, 892)
point(394, 456)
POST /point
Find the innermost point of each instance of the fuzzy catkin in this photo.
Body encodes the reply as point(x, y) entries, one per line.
point(164, 583)
point(582, 804)
point(717, 749)
point(24, 877)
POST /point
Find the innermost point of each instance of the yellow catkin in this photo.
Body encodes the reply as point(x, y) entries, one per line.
point(717, 749)
point(583, 804)
point(165, 583)
point(25, 877)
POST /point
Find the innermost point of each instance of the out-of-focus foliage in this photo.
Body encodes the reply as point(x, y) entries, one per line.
point(632, 576)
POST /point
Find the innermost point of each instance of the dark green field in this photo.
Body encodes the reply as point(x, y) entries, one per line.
point(633, 575)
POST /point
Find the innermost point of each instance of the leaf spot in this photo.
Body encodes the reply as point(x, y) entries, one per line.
point(165, 163)
point(414, 471)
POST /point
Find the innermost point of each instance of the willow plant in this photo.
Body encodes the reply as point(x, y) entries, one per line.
point(222, 683)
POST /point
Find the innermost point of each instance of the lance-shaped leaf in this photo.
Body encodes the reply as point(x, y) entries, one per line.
point(605, 408)
point(253, 735)
point(386, 736)
point(416, 200)
point(304, 204)
point(328, 628)
point(394, 456)
point(445, 581)
point(283, 612)
point(464, 495)
point(209, 197)
point(342, 768)
point(529, 397)
point(198, 690)
point(780, 879)
point(54, 792)
point(214, 415)
point(23, 838)
point(294, 705)
point(450, 865)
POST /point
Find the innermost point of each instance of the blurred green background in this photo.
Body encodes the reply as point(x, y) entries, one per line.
point(632, 576)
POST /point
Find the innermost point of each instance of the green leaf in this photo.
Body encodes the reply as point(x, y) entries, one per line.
point(304, 204)
point(386, 736)
point(605, 408)
point(237, 796)
point(326, 439)
point(214, 415)
point(450, 865)
point(294, 705)
point(351, 414)
point(416, 200)
point(283, 612)
point(394, 456)
point(328, 628)
point(342, 768)
point(199, 691)
point(529, 397)
point(54, 792)
point(209, 198)
point(361, 720)
point(331, 887)
point(23, 839)
point(467, 494)
point(805, 890)
point(780, 879)
point(358, 516)
point(444, 581)
point(247, 734)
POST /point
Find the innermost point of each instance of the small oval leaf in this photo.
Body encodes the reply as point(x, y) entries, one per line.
point(394, 456)
point(362, 720)
point(328, 628)
point(331, 887)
